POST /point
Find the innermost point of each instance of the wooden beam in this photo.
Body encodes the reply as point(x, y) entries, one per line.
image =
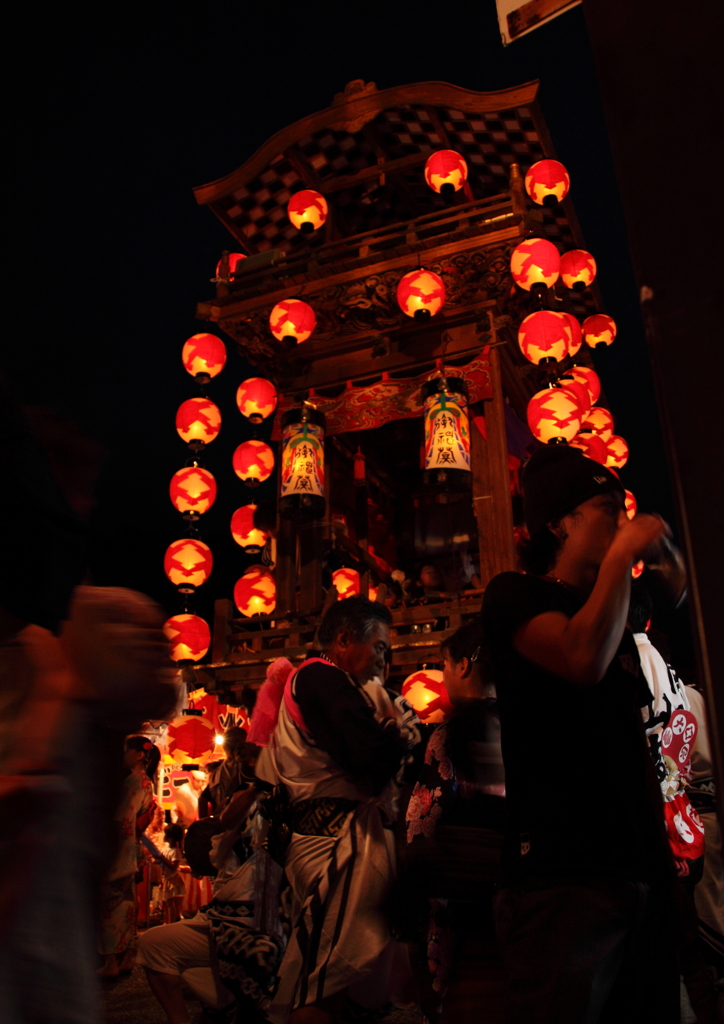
point(223, 614)
point(491, 484)
point(286, 566)
point(345, 181)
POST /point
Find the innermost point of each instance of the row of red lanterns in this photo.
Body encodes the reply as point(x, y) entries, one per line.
point(446, 172)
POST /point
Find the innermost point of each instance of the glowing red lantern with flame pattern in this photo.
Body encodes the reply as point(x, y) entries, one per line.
point(554, 415)
point(446, 171)
point(616, 452)
point(235, 259)
point(307, 210)
point(188, 563)
point(292, 319)
point(255, 592)
point(576, 334)
point(631, 504)
point(535, 263)
point(253, 462)
point(578, 269)
point(189, 636)
point(598, 421)
point(204, 356)
point(599, 330)
point(346, 581)
point(191, 739)
point(256, 398)
point(192, 491)
point(547, 182)
point(425, 691)
point(567, 380)
point(544, 336)
point(246, 535)
point(420, 294)
point(591, 446)
point(589, 378)
point(198, 421)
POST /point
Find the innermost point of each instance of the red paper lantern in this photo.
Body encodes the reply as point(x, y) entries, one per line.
point(307, 210)
point(544, 336)
point(576, 334)
point(535, 262)
point(616, 452)
point(188, 563)
point(589, 378)
point(547, 182)
point(198, 421)
point(591, 446)
point(234, 259)
point(631, 504)
point(578, 269)
point(637, 568)
point(246, 535)
point(346, 581)
point(420, 294)
point(191, 739)
point(189, 636)
point(598, 421)
point(567, 380)
point(192, 491)
point(204, 356)
point(425, 691)
point(599, 330)
point(256, 398)
point(554, 415)
point(253, 462)
point(292, 319)
point(446, 171)
point(255, 592)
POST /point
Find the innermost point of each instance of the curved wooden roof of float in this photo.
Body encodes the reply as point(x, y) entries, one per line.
point(366, 154)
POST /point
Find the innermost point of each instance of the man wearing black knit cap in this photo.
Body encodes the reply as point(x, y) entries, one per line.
point(583, 914)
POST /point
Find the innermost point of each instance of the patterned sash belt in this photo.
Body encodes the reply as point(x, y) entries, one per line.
point(324, 816)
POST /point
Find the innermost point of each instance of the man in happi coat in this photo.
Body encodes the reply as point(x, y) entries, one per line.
point(338, 744)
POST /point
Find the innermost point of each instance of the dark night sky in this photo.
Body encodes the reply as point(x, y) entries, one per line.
point(117, 120)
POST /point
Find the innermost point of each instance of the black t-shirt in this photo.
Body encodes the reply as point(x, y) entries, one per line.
point(341, 720)
point(582, 798)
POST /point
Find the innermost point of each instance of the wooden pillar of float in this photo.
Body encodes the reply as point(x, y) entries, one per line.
point(491, 482)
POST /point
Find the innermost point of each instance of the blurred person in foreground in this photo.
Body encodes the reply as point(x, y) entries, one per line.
point(584, 916)
point(334, 752)
point(80, 668)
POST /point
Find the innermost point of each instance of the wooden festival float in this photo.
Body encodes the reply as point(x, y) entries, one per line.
point(364, 487)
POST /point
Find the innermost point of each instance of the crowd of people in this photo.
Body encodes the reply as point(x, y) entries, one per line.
point(565, 809)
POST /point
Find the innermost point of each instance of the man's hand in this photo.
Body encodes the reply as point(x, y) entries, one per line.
point(640, 537)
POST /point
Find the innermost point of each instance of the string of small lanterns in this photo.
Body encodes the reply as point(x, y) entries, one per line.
point(253, 462)
point(565, 412)
point(188, 562)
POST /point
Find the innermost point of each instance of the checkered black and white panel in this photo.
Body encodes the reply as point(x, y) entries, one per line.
point(489, 142)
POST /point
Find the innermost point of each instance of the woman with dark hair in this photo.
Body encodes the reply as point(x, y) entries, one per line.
point(117, 940)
